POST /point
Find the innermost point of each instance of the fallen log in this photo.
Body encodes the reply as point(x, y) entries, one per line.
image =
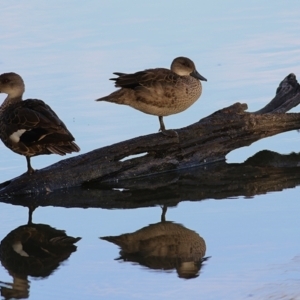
point(202, 143)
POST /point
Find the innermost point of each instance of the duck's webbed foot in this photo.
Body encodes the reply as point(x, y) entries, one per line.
point(169, 132)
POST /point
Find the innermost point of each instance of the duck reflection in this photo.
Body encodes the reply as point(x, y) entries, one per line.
point(163, 246)
point(32, 250)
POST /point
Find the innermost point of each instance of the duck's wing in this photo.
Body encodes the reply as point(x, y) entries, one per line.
point(34, 122)
point(147, 78)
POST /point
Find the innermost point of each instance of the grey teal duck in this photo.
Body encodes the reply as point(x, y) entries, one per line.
point(30, 127)
point(163, 246)
point(160, 92)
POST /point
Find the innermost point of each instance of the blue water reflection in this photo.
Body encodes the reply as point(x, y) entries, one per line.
point(66, 52)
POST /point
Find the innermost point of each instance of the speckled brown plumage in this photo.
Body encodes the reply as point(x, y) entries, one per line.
point(160, 92)
point(31, 127)
point(164, 245)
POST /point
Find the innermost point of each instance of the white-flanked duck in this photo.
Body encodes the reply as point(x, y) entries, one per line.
point(30, 127)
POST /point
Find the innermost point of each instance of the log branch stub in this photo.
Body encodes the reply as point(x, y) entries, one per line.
point(287, 96)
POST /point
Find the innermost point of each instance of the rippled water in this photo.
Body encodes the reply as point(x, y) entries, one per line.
point(66, 53)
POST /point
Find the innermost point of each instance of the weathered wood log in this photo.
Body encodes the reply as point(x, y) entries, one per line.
point(204, 142)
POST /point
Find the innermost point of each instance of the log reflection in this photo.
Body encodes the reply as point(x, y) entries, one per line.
point(35, 250)
point(264, 172)
point(163, 246)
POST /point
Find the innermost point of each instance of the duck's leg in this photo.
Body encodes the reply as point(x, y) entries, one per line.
point(170, 133)
point(30, 170)
point(30, 212)
point(163, 213)
point(161, 123)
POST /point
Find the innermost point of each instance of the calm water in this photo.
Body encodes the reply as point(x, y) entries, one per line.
point(66, 53)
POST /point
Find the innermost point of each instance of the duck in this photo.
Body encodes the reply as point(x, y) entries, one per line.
point(36, 250)
point(30, 127)
point(165, 245)
point(160, 92)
